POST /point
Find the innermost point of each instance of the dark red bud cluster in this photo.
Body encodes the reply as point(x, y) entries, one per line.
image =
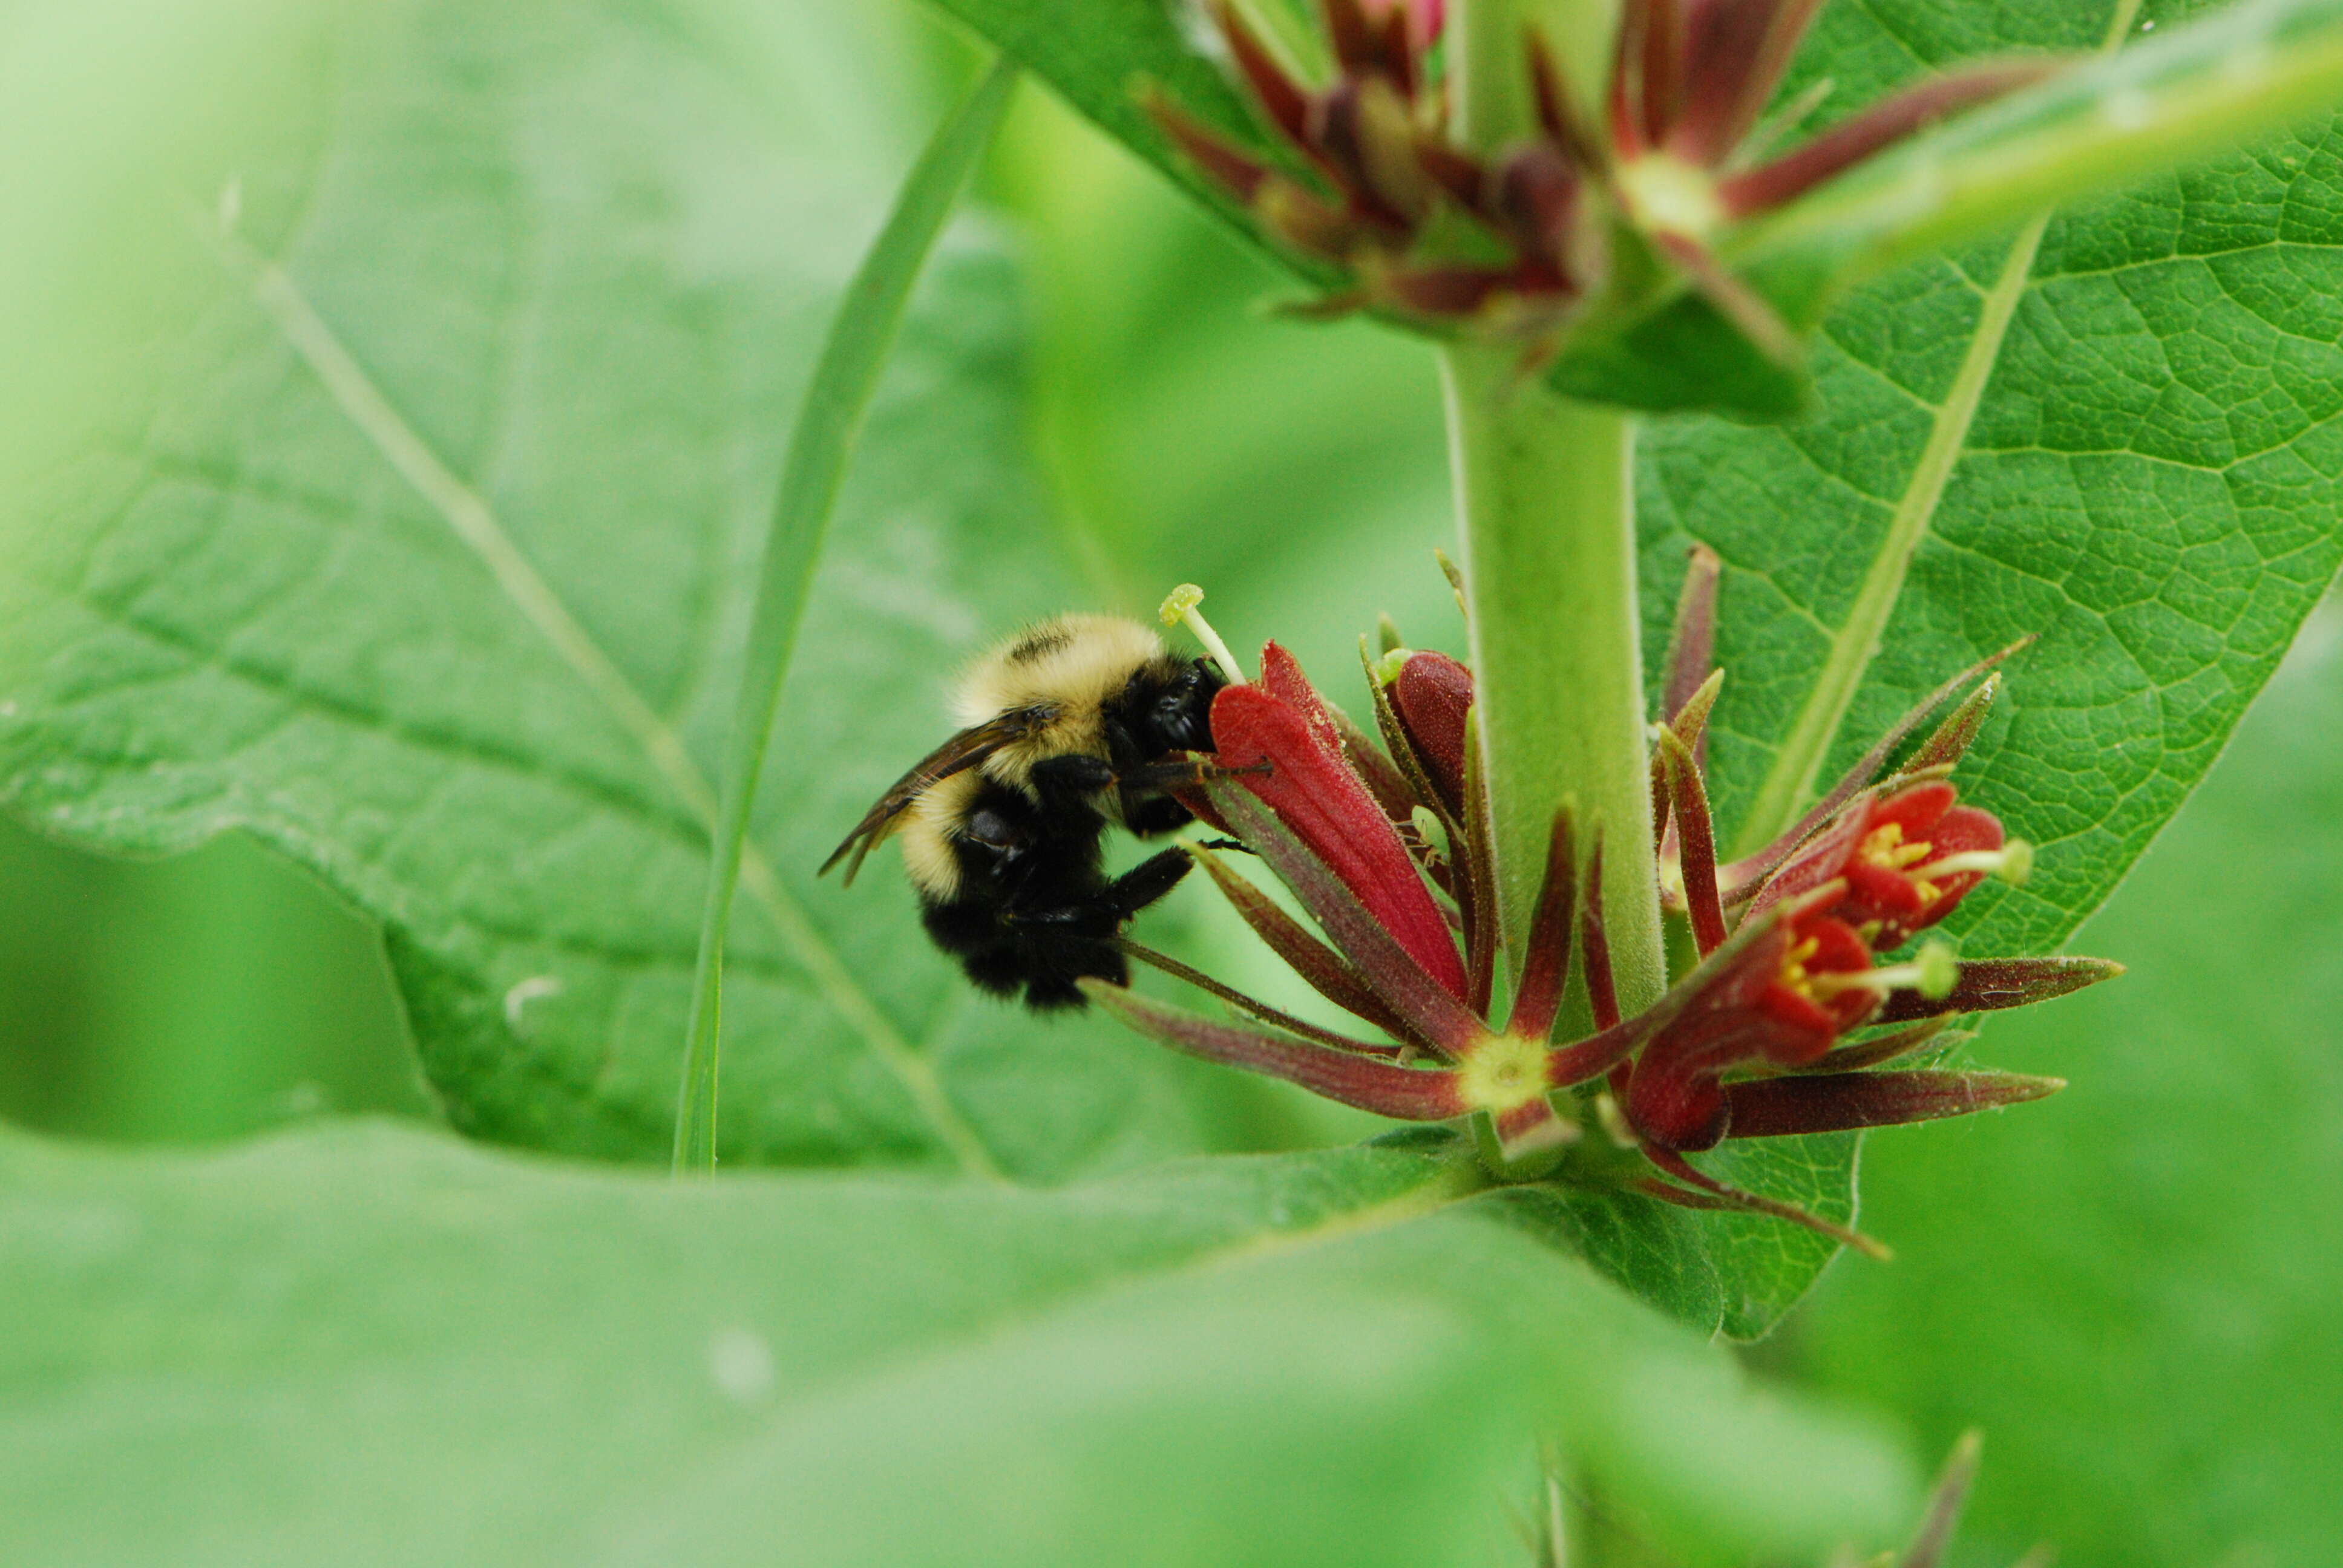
point(1511, 244)
point(1378, 179)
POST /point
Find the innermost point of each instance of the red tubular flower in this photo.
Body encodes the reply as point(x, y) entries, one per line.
point(1908, 858)
point(1312, 790)
point(1784, 996)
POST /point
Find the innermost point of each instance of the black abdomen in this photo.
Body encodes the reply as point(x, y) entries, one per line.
point(1034, 911)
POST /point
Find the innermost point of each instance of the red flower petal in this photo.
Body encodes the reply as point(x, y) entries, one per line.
point(1677, 1111)
point(1325, 806)
point(1876, 893)
point(1802, 1026)
point(1282, 677)
point(1964, 829)
point(1915, 810)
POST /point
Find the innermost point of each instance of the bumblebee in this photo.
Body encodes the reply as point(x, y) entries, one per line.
point(1072, 726)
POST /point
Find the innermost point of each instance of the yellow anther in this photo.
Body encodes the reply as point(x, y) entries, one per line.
point(1885, 846)
point(1793, 967)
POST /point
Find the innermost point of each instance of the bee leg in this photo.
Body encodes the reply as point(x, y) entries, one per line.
point(1063, 942)
point(1195, 771)
point(1152, 816)
point(1102, 913)
point(1147, 881)
point(1061, 781)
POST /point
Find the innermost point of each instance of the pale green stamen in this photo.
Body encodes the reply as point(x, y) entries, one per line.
point(2013, 863)
point(1179, 609)
point(1932, 972)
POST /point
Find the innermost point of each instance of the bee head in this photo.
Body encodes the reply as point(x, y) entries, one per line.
point(1174, 713)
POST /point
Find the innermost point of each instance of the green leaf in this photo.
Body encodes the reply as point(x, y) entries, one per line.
point(1767, 1266)
point(2147, 482)
point(426, 560)
point(2139, 467)
point(2131, 1286)
point(358, 1344)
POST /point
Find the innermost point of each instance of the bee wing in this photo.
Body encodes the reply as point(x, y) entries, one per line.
point(961, 752)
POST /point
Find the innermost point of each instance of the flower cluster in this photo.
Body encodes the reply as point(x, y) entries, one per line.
point(1512, 244)
point(1784, 1024)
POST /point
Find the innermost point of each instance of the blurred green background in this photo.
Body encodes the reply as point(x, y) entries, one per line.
point(2133, 1289)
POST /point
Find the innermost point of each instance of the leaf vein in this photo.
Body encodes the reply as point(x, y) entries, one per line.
point(476, 524)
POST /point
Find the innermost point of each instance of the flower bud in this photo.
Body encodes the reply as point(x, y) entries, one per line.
point(1434, 697)
point(1425, 18)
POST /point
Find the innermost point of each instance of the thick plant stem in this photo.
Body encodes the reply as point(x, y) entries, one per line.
point(1545, 511)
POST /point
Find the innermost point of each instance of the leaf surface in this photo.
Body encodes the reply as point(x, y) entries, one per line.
point(363, 1345)
point(2149, 483)
point(428, 564)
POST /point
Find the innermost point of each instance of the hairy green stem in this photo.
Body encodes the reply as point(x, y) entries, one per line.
point(828, 424)
point(1545, 515)
point(1544, 494)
